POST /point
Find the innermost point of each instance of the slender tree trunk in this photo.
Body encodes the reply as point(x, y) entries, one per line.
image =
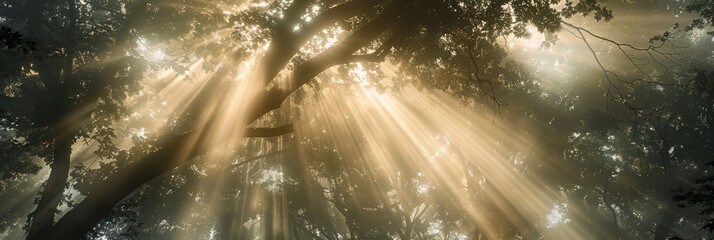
point(226, 220)
point(65, 129)
point(607, 199)
point(43, 217)
point(53, 193)
point(664, 227)
point(275, 226)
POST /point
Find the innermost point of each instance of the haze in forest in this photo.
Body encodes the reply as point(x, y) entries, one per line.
point(356, 119)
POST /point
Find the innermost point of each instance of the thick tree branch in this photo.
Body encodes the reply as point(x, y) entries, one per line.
point(379, 55)
point(338, 53)
point(286, 43)
point(372, 57)
point(100, 202)
point(269, 132)
point(333, 56)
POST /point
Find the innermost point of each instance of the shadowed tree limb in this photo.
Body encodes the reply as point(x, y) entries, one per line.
point(269, 132)
point(287, 43)
point(364, 58)
point(338, 53)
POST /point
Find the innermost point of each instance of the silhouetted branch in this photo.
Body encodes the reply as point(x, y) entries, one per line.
point(653, 51)
point(287, 42)
point(269, 132)
point(255, 158)
point(372, 57)
point(379, 55)
point(337, 54)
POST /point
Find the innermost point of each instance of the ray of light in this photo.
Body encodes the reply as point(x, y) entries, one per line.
point(412, 131)
point(393, 135)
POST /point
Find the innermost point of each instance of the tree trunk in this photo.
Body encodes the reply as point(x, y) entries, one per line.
point(100, 202)
point(608, 201)
point(53, 193)
point(664, 227)
point(64, 128)
point(43, 217)
point(275, 227)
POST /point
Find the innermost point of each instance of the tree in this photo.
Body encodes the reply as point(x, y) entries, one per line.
point(431, 40)
point(71, 96)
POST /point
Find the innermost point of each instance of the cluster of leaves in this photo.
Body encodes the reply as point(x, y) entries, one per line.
point(13, 40)
point(462, 39)
point(585, 8)
point(701, 196)
point(705, 8)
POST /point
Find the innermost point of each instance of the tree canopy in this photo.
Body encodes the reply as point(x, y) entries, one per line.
point(356, 119)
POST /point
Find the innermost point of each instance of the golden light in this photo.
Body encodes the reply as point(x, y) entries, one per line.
point(436, 136)
point(409, 141)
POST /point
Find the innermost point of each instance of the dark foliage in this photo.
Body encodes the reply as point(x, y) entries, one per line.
point(13, 40)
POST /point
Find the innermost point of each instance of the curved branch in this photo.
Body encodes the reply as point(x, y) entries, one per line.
point(338, 53)
point(286, 43)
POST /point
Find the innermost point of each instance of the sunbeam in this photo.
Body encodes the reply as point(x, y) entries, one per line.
point(413, 134)
point(356, 119)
